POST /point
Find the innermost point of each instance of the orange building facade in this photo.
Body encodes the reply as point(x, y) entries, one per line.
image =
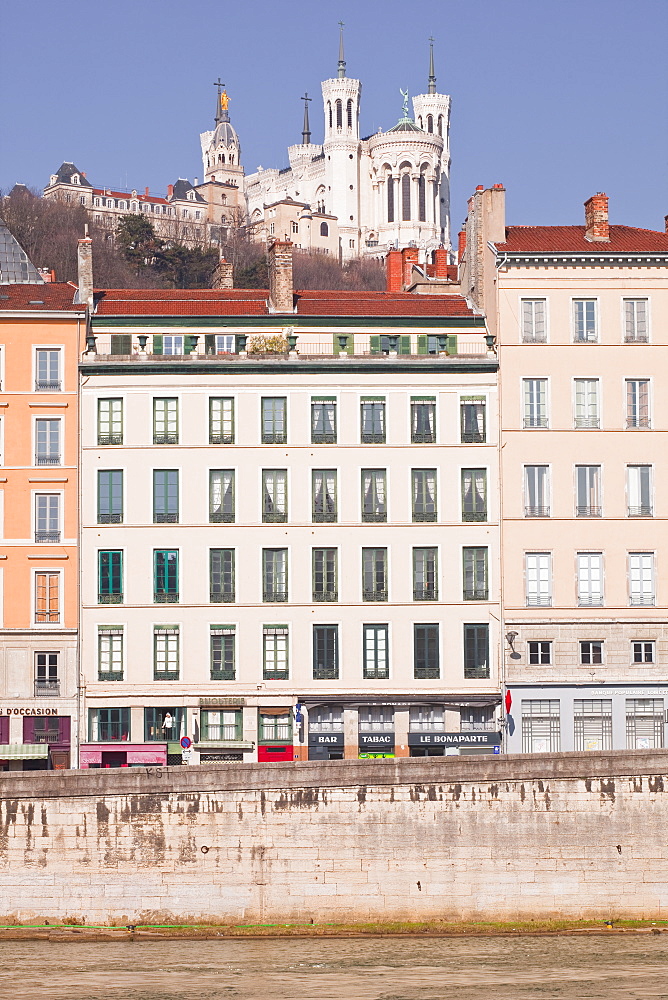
point(41, 330)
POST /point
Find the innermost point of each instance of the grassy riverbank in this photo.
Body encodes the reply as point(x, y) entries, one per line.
point(73, 930)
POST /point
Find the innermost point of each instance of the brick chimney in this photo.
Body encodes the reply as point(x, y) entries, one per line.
point(597, 228)
point(170, 191)
point(665, 222)
point(394, 271)
point(85, 270)
point(280, 277)
point(440, 263)
point(223, 276)
point(410, 257)
point(461, 244)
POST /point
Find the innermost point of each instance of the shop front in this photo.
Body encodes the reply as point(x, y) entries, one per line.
point(465, 744)
point(45, 740)
point(275, 735)
point(325, 746)
point(374, 746)
point(93, 755)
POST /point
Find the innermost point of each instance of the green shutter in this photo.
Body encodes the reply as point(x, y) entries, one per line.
point(210, 343)
point(452, 345)
point(157, 343)
point(374, 344)
point(423, 344)
point(121, 343)
point(405, 344)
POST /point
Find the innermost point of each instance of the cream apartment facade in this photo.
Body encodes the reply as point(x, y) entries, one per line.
point(290, 545)
point(580, 315)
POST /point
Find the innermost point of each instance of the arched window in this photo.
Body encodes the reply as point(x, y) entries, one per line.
point(420, 121)
point(223, 199)
point(390, 198)
point(223, 158)
point(324, 229)
point(422, 185)
point(231, 157)
point(350, 114)
point(339, 114)
point(329, 112)
point(406, 197)
point(440, 124)
point(430, 123)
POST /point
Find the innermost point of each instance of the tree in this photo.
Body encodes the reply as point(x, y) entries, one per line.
point(47, 230)
point(137, 241)
point(186, 267)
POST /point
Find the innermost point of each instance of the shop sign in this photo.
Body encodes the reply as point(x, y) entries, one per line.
point(376, 741)
point(28, 711)
point(325, 739)
point(454, 739)
point(220, 702)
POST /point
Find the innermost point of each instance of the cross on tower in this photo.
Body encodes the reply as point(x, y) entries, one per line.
point(306, 131)
point(219, 84)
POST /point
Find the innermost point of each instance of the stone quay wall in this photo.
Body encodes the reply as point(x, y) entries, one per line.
point(570, 835)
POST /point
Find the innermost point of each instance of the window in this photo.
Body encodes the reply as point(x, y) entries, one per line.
point(110, 496)
point(389, 180)
point(538, 579)
point(165, 496)
point(533, 321)
point(166, 653)
point(376, 719)
point(110, 576)
point(423, 494)
point(223, 659)
point(324, 502)
point(221, 420)
point(164, 724)
point(47, 517)
point(373, 421)
point(637, 403)
point(639, 490)
point(166, 576)
point(274, 575)
point(586, 402)
point(588, 490)
point(590, 579)
point(422, 191)
point(374, 495)
point(536, 491)
point(110, 653)
point(108, 725)
point(325, 582)
point(425, 574)
point(477, 719)
point(423, 420)
point(584, 321)
point(225, 343)
point(375, 652)
point(165, 421)
point(474, 495)
point(541, 731)
point(47, 598)
point(427, 719)
point(324, 229)
point(274, 496)
point(535, 402)
point(473, 420)
point(641, 580)
point(325, 719)
point(218, 725)
point(47, 681)
point(173, 344)
point(47, 371)
point(323, 421)
point(591, 652)
point(476, 583)
point(476, 652)
point(274, 426)
point(275, 652)
point(374, 574)
point(644, 723)
point(592, 724)
point(405, 197)
point(426, 664)
point(540, 652)
point(47, 442)
point(325, 652)
point(643, 652)
point(275, 728)
point(221, 576)
point(221, 496)
point(635, 321)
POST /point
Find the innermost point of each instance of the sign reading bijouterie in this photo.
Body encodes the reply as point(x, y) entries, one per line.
point(325, 739)
point(28, 711)
point(454, 739)
point(222, 702)
point(372, 740)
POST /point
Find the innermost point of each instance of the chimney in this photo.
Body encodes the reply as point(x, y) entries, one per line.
point(280, 277)
point(146, 192)
point(665, 222)
point(393, 271)
point(461, 244)
point(85, 270)
point(170, 191)
point(440, 263)
point(597, 228)
point(223, 276)
point(410, 257)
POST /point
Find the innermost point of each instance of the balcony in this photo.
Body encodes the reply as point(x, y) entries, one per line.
point(47, 689)
point(165, 438)
point(222, 675)
point(324, 517)
point(533, 511)
point(374, 595)
point(323, 437)
point(374, 516)
point(46, 736)
point(474, 515)
point(109, 598)
point(373, 437)
point(274, 596)
point(637, 421)
point(423, 437)
point(109, 518)
point(110, 439)
point(478, 594)
point(47, 386)
point(274, 437)
point(42, 537)
point(324, 596)
point(163, 518)
point(425, 594)
point(473, 437)
point(642, 600)
point(47, 459)
point(162, 598)
point(424, 516)
point(221, 597)
point(274, 517)
point(111, 675)
point(221, 517)
point(478, 672)
point(165, 675)
point(221, 438)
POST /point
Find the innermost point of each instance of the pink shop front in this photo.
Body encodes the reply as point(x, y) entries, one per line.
point(123, 755)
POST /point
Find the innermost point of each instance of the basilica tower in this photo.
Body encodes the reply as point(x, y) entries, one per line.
point(432, 114)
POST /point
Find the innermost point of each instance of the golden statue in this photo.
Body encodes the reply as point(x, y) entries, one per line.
point(224, 101)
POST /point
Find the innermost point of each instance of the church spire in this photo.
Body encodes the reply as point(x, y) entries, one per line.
point(432, 76)
point(342, 61)
point(306, 131)
point(222, 103)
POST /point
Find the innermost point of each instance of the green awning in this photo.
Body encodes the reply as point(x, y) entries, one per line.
point(24, 751)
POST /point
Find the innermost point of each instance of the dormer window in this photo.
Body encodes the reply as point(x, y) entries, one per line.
point(191, 195)
point(75, 178)
point(54, 179)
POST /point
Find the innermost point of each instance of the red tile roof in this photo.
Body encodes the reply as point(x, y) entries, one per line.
point(128, 196)
point(253, 302)
point(571, 239)
point(56, 295)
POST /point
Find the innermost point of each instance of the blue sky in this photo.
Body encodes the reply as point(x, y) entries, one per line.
point(556, 100)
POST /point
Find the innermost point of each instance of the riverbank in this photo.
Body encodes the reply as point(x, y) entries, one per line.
point(79, 932)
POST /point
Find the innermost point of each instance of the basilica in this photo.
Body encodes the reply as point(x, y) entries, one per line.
point(350, 196)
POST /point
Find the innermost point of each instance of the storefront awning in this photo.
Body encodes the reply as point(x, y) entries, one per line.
point(24, 751)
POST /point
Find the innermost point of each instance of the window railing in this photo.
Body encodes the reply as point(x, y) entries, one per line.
point(323, 596)
point(47, 459)
point(539, 601)
point(221, 517)
point(221, 597)
point(474, 515)
point(535, 421)
point(642, 600)
point(478, 727)
point(46, 736)
point(159, 438)
point(374, 595)
point(227, 438)
point(274, 437)
point(423, 437)
point(165, 675)
point(47, 536)
point(162, 518)
point(109, 598)
point(46, 385)
point(47, 689)
point(374, 516)
point(587, 422)
point(478, 594)
point(643, 511)
point(479, 672)
point(534, 338)
point(637, 421)
point(588, 511)
point(274, 517)
point(373, 437)
point(222, 675)
point(586, 337)
point(636, 338)
point(590, 601)
point(110, 439)
point(274, 596)
point(533, 511)
point(276, 675)
point(323, 437)
point(109, 518)
point(425, 594)
point(110, 675)
point(424, 516)
point(163, 598)
point(324, 517)
point(214, 734)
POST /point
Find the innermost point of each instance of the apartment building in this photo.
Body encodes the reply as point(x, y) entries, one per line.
point(289, 525)
point(41, 331)
point(580, 315)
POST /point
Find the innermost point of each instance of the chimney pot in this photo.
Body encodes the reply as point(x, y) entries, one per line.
point(597, 228)
point(85, 270)
point(480, 187)
point(281, 291)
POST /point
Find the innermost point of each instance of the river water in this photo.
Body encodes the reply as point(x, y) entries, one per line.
point(578, 967)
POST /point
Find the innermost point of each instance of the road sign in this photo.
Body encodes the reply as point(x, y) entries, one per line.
point(186, 742)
